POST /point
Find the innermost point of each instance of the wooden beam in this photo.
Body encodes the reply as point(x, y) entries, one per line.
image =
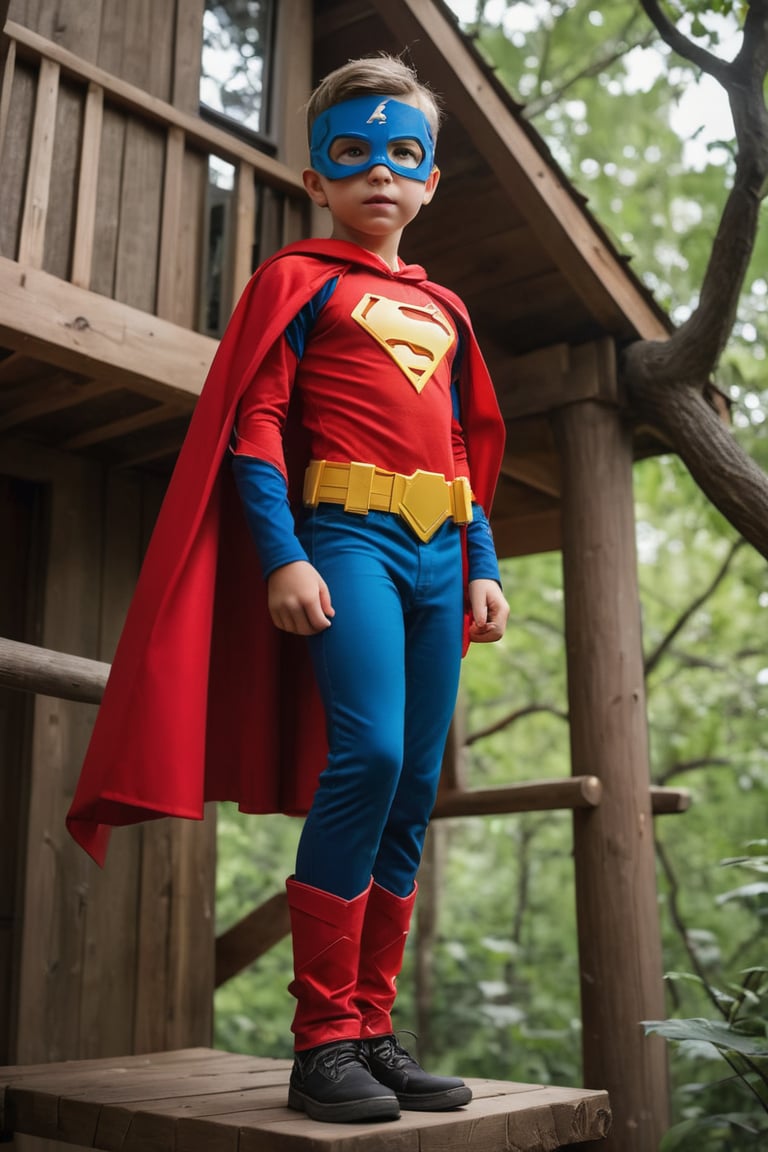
point(538, 796)
point(528, 534)
point(595, 271)
point(85, 221)
point(196, 130)
point(63, 392)
point(31, 669)
point(32, 237)
point(10, 365)
point(83, 332)
point(620, 958)
point(539, 470)
point(669, 801)
point(251, 937)
point(543, 381)
point(159, 414)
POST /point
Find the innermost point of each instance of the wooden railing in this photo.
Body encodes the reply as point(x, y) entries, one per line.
point(30, 669)
point(183, 133)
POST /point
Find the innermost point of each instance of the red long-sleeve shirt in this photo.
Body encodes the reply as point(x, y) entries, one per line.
point(375, 389)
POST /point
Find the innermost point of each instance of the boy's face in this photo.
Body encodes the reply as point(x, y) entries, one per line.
point(358, 134)
point(373, 167)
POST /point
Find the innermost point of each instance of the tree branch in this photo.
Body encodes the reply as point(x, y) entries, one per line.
point(684, 766)
point(679, 43)
point(614, 51)
point(678, 408)
point(511, 718)
point(679, 924)
point(653, 659)
point(669, 384)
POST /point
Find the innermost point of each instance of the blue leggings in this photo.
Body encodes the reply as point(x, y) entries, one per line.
point(388, 672)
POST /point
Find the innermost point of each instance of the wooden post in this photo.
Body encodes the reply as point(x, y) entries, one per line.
point(619, 935)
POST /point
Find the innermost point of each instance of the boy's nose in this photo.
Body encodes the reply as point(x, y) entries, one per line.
point(379, 172)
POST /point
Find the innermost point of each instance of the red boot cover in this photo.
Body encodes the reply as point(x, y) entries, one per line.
point(385, 930)
point(326, 949)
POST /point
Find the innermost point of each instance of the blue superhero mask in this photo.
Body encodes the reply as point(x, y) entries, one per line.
point(379, 123)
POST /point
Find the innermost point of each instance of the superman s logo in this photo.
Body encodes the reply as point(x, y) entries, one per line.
point(416, 336)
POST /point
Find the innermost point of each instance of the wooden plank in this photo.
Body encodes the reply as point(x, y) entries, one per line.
point(111, 901)
point(140, 206)
point(60, 219)
point(191, 955)
point(245, 229)
point(56, 870)
point(87, 333)
point(69, 23)
point(204, 136)
point(9, 70)
point(541, 381)
point(528, 534)
point(614, 297)
point(108, 191)
point(292, 78)
point(539, 470)
point(186, 61)
point(175, 934)
point(190, 243)
point(85, 220)
point(32, 240)
point(65, 391)
point(170, 221)
point(15, 156)
point(240, 1103)
point(158, 414)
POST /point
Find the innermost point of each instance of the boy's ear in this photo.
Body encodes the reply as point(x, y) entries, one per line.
point(431, 184)
point(313, 184)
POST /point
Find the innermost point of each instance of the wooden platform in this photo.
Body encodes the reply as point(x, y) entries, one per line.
point(201, 1100)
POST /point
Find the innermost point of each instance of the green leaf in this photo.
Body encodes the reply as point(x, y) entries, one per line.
point(709, 1032)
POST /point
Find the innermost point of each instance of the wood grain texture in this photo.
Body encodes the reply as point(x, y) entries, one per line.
point(619, 936)
point(200, 1100)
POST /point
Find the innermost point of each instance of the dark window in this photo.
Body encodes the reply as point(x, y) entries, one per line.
point(235, 70)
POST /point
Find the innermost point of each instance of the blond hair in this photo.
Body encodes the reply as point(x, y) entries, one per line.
point(382, 75)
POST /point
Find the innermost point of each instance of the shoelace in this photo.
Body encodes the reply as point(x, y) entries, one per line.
point(389, 1050)
point(339, 1057)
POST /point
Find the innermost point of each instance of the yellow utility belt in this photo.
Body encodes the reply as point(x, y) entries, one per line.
point(425, 500)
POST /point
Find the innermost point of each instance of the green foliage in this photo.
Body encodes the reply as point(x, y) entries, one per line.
point(730, 1110)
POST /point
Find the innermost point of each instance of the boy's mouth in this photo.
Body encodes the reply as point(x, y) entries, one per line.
point(379, 200)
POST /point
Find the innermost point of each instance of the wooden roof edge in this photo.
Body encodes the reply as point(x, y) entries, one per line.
point(582, 249)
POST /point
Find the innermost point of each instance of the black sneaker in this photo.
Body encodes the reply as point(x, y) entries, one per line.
point(332, 1082)
point(415, 1089)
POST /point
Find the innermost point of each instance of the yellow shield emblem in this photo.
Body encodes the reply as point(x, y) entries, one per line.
point(416, 336)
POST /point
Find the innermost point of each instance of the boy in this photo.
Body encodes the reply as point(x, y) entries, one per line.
point(349, 372)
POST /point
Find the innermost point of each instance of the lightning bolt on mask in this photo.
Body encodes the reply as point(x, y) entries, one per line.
point(380, 130)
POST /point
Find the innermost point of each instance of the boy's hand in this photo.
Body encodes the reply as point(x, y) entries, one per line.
point(298, 599)
point(489, 611)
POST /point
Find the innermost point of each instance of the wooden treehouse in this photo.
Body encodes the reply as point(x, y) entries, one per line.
point(131, 216)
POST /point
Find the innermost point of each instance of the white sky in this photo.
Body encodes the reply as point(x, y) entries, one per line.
point(703, 111)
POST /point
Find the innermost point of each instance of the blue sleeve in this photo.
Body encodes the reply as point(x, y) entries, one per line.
point(261, 485)
point(481, 553)
point(264, 495)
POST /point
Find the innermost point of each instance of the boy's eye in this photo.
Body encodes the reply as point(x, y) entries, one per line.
point(349, 151)
point(406, 153)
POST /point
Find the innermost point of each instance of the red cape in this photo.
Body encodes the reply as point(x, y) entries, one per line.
point(206, 699)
